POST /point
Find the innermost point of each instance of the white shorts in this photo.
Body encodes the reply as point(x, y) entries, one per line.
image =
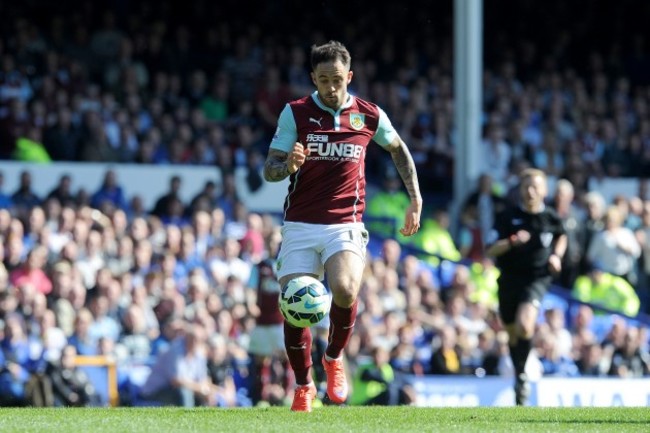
point(306, 247)
point(267, 340)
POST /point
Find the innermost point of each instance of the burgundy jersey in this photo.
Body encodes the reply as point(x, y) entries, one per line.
point(330, 187)
point(268, 291)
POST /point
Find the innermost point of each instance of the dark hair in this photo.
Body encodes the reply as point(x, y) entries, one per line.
point(329, 52)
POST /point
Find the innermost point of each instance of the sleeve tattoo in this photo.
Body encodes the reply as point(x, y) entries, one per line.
point(406, 168)
point(275, 166)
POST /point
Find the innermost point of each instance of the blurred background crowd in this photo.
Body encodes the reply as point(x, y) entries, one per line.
point(93, 272)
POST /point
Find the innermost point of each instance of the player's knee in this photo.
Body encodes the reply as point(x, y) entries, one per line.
point(526, 331)
point(344, 296)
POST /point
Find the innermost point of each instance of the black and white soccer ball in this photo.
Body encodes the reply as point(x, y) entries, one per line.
point(304, 301)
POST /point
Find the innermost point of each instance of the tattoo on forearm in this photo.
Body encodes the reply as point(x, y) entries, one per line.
point(275, 168)
point(406, 169)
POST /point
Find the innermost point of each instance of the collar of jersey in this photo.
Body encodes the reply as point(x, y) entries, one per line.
point(525, 211)
point(322, 106)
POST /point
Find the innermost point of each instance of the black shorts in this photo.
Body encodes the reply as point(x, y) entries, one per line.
point(514, 291)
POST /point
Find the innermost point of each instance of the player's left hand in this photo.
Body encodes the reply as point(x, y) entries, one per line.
point(554, 264)
point(411, 220)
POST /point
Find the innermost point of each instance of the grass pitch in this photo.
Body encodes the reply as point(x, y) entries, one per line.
point(326, 419)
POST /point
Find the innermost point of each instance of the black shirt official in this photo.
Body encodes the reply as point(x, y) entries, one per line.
point(529, 243)
point(529, 260)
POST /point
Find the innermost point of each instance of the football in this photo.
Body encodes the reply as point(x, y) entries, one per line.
point(304, 301)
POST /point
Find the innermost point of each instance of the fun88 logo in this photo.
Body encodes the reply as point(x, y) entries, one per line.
point(340, 150)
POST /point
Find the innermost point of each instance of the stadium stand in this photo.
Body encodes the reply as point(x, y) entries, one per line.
point(168, 85)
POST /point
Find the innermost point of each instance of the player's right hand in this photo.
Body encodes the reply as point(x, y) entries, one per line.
point(296, 157)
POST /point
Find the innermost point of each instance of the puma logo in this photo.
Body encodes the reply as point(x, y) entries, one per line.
point(311, 119)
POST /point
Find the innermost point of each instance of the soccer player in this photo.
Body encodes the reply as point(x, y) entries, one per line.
point(320, 144)
point(529, 243)
point(267, 338)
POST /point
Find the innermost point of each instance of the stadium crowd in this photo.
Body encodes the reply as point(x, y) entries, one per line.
point(95, 273)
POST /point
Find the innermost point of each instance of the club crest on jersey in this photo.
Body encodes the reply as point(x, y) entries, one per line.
point(357, 120)
point(546, 239)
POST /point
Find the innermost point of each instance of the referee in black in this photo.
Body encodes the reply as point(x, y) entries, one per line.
point(529, 243)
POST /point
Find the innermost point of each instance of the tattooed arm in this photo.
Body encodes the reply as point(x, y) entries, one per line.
point(275, 166)
point(279, 164)
point(406, 168)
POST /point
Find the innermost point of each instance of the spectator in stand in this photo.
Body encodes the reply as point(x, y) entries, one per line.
point(64, 279)
point(270, 99)
point(163, 205)
point(14, 252)
point(497, 360)
point(614, 339)
point(594, 223)
point(470, 236)
point(187, 259)
point(621, 203)
point(24, 198)
point(377, 384)
point(31, 272)
point(62, 232)
point(388, 204)
point(229, 264)
point(22, 358)
point(62, 139)
point(435, 239)
point(483, 205)
point(485, 275)
point(403, 357)
point(180, 375)
point(553, 362)
point(84, 342)
point(628, 361)
point(556, 328)
point(252, 244)
point(133, 344)
point(205, 200)
point(171, 329)
point(103, 325)
point(92, 260)
point(610, 291)
point(109, 193)
point(52, 337)
point(643, 237)
point(549, 156)
point(220, 370)
point(70, 385)
point(197, 293)
point(6, 218)
point(228, 199)
point(34, 228)
point(201, 230)
point(267, 338)
point(143, 260)
point(573, 226)
point(591, 361)
point(121, 261)
point(616, 247)
point(215, 104)
point(63, 192)
point(581, 328)
point(5, 200)
point(495, 156)
point(446, 358)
